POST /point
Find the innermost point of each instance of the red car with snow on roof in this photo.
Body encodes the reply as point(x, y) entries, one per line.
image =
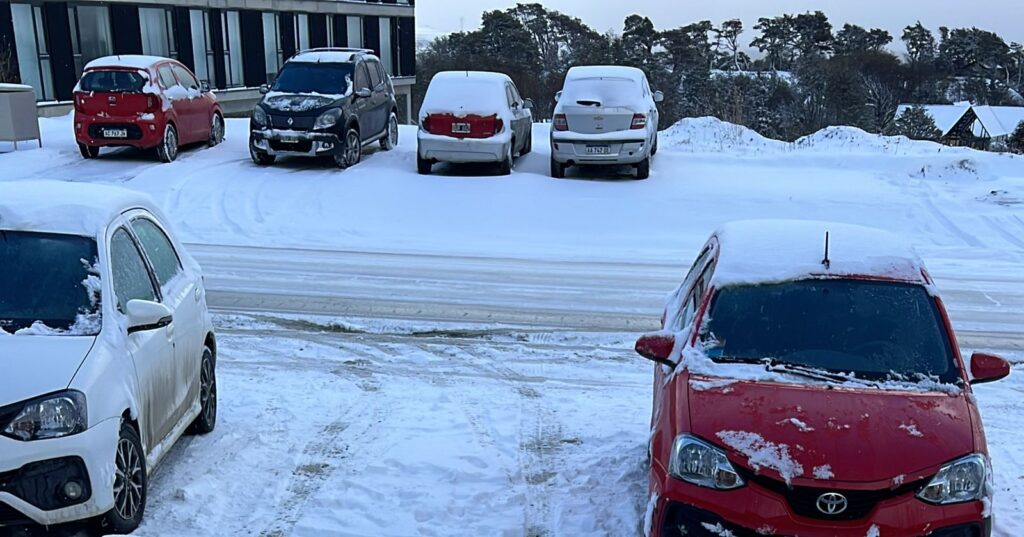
point(144, 102)
point(809, 383)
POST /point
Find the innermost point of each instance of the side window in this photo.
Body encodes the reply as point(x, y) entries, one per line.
point(185, 77)
point(381, 72)
point(167, 79)
point(695, 297)
point(515, 94)
point(508, 96)
point(362, 78)
point(688, 305)
point(130, 276)
point(375, 78)
point(158, 248)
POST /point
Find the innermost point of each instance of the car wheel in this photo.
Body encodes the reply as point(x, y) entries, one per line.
point(388, 142)
point(527, 147)
point(643, 170)
point(207, 419)
point(353, 150)
point(557, 169)
point(168, 148)
point(129, 484)
point(88, 151)
point(216, 130)
point(261, 158)
point(505, 166)
point(423, 166)
point(654, 146)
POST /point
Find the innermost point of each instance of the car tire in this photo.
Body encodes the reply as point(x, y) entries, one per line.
point(557, 169)
point(390, 140)
point(206, 421)
point(130, 477)
point(423, 166)
point(353, 151)
point(88, 151)
point(216, 130)
point(643, 170)
point(261, 158)
point(506, 165)
point(167, 151)
point(654, 146)
point(527, 147)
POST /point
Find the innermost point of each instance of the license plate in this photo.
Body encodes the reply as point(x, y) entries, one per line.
point(290, 139)
point(460, 128)
point(598, 150)
point(115, 133)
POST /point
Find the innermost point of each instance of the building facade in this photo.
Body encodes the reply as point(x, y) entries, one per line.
point(235, 45)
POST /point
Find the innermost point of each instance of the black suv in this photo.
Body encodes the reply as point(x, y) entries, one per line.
point(325, 102)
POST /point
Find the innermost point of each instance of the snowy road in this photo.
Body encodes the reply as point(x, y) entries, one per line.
point(451, 355)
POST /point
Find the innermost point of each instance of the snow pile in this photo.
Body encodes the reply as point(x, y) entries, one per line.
point(761, 453)
point(64, 207)
point(709, 134)
point(823, 472)
point(718, 529)
point(835, 140)
point(300, 102)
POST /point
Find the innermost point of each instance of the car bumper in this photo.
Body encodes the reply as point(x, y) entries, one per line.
point(296, 143)
point(613, 152)
point(22, 476)
point(446, 149)
point(141, 133)
point(755, 511)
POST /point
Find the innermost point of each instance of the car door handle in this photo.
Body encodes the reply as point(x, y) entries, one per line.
point(198, 294)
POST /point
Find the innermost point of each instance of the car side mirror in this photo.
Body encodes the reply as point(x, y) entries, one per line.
point(988, 368)
point(657, 348)
point(558, 96)
point(364, 93)
point(145, 315)
point(204, 86)
point(528, 104)
point(264, 89)
point(659, 96)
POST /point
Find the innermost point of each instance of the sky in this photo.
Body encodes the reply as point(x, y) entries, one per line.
point(1005, 17)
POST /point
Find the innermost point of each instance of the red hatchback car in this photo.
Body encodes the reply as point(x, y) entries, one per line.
point(144, 102)
point(809, 384)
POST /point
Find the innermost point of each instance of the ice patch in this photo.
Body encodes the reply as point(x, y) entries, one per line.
point(911, 429)
point(873, 531)
point(649, 515)
point(718, 529)
point(800, 425)
point(823, 472)
point(761, 453)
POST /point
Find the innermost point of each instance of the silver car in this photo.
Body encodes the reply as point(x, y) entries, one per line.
point(606, 115)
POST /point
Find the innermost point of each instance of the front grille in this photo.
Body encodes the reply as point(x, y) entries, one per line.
point(682, 520)
point(299, 123)
point(804, 500)
point(303, 146)
point(10, 516)
point(96, 131)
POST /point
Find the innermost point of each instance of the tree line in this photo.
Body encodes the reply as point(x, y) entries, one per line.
point(809, 74)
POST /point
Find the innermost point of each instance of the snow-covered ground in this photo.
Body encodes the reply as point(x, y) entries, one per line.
point(451, 355)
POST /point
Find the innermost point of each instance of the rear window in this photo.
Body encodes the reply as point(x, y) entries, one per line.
point(112, 81)
point(601, 92)
point(465, 96)
point(322, 78)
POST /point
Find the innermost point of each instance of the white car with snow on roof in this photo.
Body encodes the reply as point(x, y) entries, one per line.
point(473, 116)
point(107, 347)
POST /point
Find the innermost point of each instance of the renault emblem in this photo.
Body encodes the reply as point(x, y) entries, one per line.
point(832, 503)
point(290, 121)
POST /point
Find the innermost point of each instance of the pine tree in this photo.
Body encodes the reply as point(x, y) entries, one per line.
point(917, 124)
point(1016, 142)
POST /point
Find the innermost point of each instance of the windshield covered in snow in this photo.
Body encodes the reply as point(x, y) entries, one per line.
point(48, 284)
point(601, 92)
point(112, 81)
point(874, 330)
point(308, 77)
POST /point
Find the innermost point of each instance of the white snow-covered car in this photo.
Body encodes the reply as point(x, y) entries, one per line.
point(107, 350)
point(605, 116)
point(473, 116)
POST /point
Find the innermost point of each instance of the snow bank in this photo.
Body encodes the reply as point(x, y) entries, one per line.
point(709, 134)
point(853, 140)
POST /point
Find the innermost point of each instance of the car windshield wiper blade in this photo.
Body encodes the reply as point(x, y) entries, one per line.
point(804, 371)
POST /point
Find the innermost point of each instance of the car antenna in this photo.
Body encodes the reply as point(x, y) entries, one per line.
point(826, 261)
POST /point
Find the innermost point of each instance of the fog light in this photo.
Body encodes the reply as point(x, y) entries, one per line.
point(73, 490)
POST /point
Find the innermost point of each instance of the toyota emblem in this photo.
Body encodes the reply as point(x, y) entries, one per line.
point(832, 503)
point(290, 121)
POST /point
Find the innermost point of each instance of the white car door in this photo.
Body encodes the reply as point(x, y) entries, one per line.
point(152, 351)
point(182, 295)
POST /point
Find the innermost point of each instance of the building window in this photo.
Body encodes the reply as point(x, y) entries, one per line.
point(202, 52)
point(33, 55)
point(271, 45)
point(157, 26)
point(232, 48)
point(330, 30)
point(385, 45)
point(355, 32)
point(301, 32)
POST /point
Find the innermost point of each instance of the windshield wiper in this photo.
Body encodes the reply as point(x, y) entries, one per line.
point(803, 371)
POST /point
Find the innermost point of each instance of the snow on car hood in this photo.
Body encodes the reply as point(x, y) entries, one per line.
point(298, 102)
point(37, 365)
point(805, 433)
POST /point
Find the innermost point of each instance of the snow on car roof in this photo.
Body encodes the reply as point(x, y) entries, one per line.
point(328, 55)
point(63, 207)
point(481, 76)
point(466, 92)
point(605, 71)
point(132, 61)
point(772, 251)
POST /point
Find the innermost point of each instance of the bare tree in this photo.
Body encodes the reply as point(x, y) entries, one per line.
point(6, 63)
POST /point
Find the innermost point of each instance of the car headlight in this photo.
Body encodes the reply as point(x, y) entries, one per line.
point(698, 462)
point(259, 116)
point(328, 119)
point(52, 416)
point(963, 480)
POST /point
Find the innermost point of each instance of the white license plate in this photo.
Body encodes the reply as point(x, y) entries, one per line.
point(290, 139)
point(115, 133)
point(598, 150)
point(460, 128)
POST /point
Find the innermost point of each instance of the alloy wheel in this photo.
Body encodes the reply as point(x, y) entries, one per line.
point(208, 391)
point(128, 493)
point(393, 130)
point(170, 143)
point(352, 148)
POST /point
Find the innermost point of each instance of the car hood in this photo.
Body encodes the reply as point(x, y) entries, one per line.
point(37, 365)
point(299, 102)
point(864, 436)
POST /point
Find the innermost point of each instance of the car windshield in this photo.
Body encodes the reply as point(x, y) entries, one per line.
point(605, 92)
point(112, 81)
point(49, 284)
point(307, 77)
point(874, 330)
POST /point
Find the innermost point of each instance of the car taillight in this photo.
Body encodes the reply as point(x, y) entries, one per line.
point(152, 103)
point(639, 121)
point(79, 102)
point(499, 124)
point(561, 124)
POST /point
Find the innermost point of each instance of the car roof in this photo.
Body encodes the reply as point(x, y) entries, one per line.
point(605, 71)
point(772, 251)
point(332, 55)
point(83, 209)
point(484, 76)
point(127, 61)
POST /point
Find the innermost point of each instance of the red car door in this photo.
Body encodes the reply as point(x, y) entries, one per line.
point(196, 104)
point(177, 98)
